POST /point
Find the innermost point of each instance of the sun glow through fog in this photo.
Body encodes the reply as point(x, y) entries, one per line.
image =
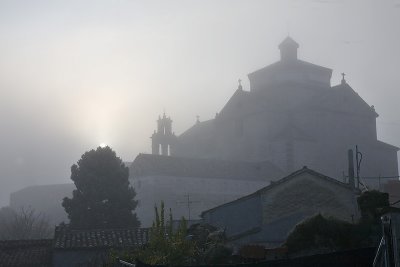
point(102, 145)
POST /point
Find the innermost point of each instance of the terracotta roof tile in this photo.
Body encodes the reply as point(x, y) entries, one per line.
point(27, 253)
point(67, 238)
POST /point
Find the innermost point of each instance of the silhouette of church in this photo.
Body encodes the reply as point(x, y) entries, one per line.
point(293, 117)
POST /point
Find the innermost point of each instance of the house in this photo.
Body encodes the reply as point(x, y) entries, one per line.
point(71, 247)
point(268, 215)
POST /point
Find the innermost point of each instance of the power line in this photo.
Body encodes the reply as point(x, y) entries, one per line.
point(381, 177)
point(377, 177)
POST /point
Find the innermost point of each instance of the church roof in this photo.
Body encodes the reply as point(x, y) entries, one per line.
point(279, 65)
point(285, 180)
point(157, 165)
point(202, 128)
point(288, 42)
point(289, 69)
point(342, 98)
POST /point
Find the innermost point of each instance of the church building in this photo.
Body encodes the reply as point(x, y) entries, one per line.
point(291, 117)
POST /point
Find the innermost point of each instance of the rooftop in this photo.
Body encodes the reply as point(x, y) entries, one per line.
point(66, 238)
point(26, 253)
point(284, 180)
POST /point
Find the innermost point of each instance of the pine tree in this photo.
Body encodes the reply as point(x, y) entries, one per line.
point(103, 197)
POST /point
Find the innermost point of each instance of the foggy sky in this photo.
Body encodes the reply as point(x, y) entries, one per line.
point(74, 74)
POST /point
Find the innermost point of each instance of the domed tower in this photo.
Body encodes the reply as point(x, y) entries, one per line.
point(163, 140)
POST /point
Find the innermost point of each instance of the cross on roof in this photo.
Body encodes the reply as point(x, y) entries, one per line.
point(240, 84)
point(343, 80)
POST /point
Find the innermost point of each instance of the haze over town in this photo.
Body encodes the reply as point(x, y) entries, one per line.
point(76, 74)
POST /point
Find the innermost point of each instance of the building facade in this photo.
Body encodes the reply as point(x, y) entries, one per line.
point(293, 117)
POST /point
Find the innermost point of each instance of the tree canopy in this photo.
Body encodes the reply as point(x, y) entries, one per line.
point(319, 232)
point(103, 197)
point(371, 204)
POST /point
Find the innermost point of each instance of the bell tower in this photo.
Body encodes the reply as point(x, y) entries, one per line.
point(288, 49)
point(163, 140)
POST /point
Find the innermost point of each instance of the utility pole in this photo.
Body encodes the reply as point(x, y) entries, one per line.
point(188, 202)
point(351, 167)
point(359, 157)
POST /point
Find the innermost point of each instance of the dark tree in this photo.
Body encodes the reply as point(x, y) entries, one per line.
point(103, 197)
point(371, 204)
point(318, 232)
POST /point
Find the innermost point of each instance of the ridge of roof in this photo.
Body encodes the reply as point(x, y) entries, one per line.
point(197, 125)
